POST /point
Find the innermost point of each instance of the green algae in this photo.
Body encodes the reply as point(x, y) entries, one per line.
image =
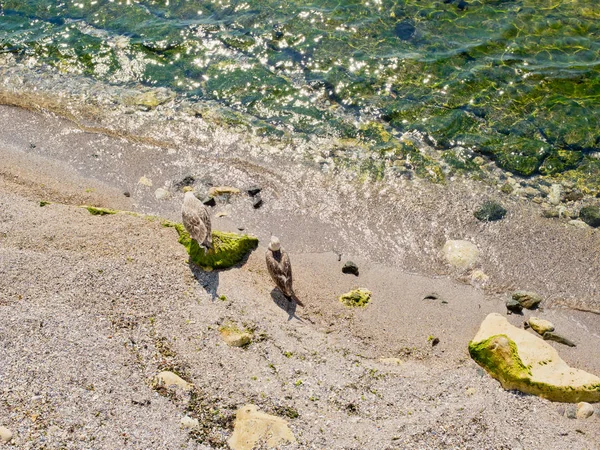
point(357, 298)
point(228, 248)
point(95, 211)
point(44, 203)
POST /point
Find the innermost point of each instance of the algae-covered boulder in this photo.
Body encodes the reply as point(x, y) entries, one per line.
point(357, 298)
point(228, 248)
point(522, 361)
point(490, 211)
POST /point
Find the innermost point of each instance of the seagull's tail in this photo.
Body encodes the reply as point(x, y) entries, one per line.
point(296, 299)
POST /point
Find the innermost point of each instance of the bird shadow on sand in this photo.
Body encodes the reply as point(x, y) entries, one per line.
point(289, 306)
point(208, 280)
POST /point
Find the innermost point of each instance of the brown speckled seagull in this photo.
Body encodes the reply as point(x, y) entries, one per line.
point(280, 269)
point(196, 220)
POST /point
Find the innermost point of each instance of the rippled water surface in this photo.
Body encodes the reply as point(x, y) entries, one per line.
point(516, 80)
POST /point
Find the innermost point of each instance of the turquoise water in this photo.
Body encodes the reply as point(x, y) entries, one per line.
point(515, 80)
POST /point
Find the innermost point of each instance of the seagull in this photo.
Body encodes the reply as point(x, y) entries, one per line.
point(280, 269)
point(196, 220)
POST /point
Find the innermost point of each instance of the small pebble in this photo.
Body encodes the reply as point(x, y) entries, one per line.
point(513, 306)
point(350, 267)
point(126, 194)
point(584, 410)
point(257, 201)
point(253, 190)
point(5, 435)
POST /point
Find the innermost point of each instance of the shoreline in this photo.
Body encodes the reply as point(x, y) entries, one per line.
point(84, 261)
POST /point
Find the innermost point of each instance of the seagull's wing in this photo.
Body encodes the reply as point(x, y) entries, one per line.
point(286, 268)
point(196, 220)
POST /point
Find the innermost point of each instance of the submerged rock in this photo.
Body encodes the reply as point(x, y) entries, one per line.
point(358, 298)
point(590, 215)
point(490, 211)
point(405, 30)
point(540, 326)
point(228, 248)
point(460, 254)
point(350, 267)
point(520, 360)
point(552, 336)
point(527, 299)
point(252, 426)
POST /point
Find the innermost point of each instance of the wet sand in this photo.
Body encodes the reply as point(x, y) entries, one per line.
point(91, 300)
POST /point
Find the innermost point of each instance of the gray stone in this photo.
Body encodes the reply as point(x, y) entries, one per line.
point(513, 306)
point(161, 194)
point(552, 336)
point(527, 299)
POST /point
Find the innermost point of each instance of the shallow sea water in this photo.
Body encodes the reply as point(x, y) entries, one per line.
point(517, 81)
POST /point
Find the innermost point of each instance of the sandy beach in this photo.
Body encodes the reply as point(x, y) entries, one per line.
point(93, 307)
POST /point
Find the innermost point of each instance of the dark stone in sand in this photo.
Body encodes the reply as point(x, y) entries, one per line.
point(435, 341)
point(186, 181)
point(253, 190)
point(257, 201)
point(490, 211)
point(590, 215)
point(432, 296)
point(571, 412)
point(513, 306)
point(405, 30)
point(573, 196)
point(529, 300)
point(350, 267)
point(126, 194)
point(552, 336)
point(208, 201)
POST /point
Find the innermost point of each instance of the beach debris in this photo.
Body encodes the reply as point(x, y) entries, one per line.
point(520, 360)
point(233, 336)
point(490, 211)
point(161, 194)
point(432, 296)
point(555, 194)
point(252, 426)
point(280, 269)
point(189, 422)
point(5, 435)
point(169, 380)
point(540, 326)
point(514, 306)
point(196, 220)
point(527, 299)
point(350, 267)
point(257, 201)
point(552, 336)
point(460, 254)
point(590, 215)
point(253, 190)
point(357, 298)
point(188, 180)
point(222, 190)
point(228, 248)
point(434, 340)
point(221, 214)
point(145, 181)
point(584, 410)
point(44, 203)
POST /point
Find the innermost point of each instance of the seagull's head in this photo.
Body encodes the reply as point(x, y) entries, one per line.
point(275, 245)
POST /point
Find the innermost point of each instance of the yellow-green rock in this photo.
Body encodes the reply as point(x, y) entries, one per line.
point(522, 361)
point(357, 298)
point(540, 326)
point(252, 426)
point(234, 337)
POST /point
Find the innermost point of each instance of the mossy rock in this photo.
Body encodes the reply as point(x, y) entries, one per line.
point(519, 360)
point(228, 248)
point(560, 161)
point(357, 298)
point(234, 337)
point(490, 211)
point(590, 215)
point(518, 155)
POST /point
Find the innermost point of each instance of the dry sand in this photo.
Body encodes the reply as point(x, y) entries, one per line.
point(92, 307)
